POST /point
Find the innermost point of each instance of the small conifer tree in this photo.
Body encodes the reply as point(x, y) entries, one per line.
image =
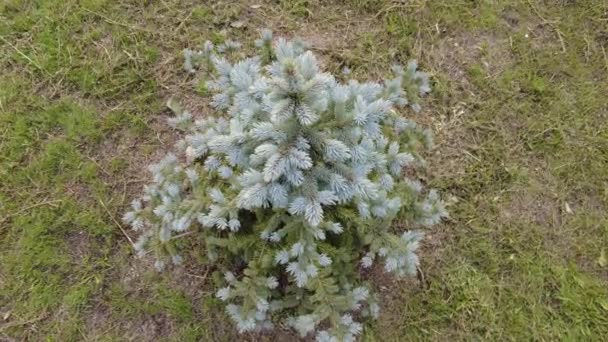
point(294, 188)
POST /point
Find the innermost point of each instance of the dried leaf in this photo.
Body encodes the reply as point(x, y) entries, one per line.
point(237, 24)
point(175, 106)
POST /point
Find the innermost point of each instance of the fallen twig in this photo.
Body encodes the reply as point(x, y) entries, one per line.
point(181, 235)
point(28, 208)
point(31, 61)
point(421, 278)
point(16, 324)
point(116, 222)
point(203, 277)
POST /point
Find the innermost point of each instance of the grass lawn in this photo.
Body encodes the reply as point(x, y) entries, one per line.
point(519, 110)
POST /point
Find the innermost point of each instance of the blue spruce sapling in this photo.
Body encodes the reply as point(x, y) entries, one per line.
point(293, 188)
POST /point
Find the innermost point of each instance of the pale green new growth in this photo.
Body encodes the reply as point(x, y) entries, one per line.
point(295, 188)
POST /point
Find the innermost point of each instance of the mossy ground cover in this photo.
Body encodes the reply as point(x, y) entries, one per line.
point(520, 116)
